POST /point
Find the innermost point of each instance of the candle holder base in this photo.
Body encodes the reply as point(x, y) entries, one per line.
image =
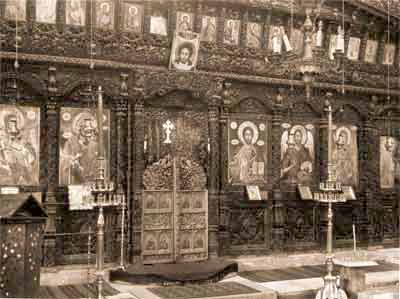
point(331, 289)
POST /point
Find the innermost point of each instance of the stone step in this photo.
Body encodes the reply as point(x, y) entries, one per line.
point(376, 279)
point(380, 293)
point(286, 289)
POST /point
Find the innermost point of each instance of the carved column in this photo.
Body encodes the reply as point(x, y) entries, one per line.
point(50, 204)
point(121, 111)
point(278, 209)
point(225, 202)
point(214, 175)
point(323, 167)
point(138, 165)
point(369, 182)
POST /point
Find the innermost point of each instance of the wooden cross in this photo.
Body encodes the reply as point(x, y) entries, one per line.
point(168, 126)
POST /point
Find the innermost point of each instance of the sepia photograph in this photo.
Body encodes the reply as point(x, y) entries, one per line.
point(202, 149)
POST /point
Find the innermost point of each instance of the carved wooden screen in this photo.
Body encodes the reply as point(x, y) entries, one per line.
point(174, 226)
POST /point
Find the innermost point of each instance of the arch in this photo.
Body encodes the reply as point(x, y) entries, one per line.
point(383, 111)
point(164, 97)
point(250, 105)
point(108, 88)
point(349, 112)
point(33, 81)
point(306, 108)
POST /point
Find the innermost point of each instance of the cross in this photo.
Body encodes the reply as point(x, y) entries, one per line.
point(168, 126)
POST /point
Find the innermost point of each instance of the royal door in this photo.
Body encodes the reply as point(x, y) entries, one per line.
point(174, 222)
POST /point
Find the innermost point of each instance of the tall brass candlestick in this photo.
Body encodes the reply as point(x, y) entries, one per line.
point(100, 197)
point(100, 136)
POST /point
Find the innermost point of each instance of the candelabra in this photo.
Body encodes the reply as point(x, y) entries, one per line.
point(103, 195)
point(330, 192)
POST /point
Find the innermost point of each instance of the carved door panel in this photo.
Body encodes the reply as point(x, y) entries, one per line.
point(174, 226)
point(158, 227)
point(192, 224)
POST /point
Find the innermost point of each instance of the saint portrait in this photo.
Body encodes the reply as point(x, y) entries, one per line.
point(199, 242)
point(371, 49)
point(388, 54)
point(332, 46)
point(389, 162)
point(19, 145)
point(150, 243)
point(297, 154)
point(185, 241)
point(46, 11)
point(247, 152)
point(105, 14)
point(208, 29)
point(353, 50)
point(344, 155)
point(158, 23)
point(15, 10)
point(184, 21)
point(253, 35)
point(133, 17)
point(164, 241)
point(231, 32)
point(75, 12)
point(79, 145)
point(184, 52)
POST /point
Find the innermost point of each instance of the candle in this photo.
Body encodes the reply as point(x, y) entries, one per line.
point(320, 35)
point(340, 39)
point(286, 41)
point(276, 40)
point(354, 237)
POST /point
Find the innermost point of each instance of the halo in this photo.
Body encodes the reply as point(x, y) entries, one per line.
point(347, 132)
point(105, 4)
point(78, 120)
point(186, 45)
point(302, 130)
point(133, 8)
point(185, 15)
point(75, 3)
point(16, 112)
point(252, 126)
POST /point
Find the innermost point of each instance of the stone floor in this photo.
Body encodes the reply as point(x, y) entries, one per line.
point(283, 276)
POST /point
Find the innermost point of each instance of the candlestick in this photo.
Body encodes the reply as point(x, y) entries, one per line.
point(100, 151)
point(354, 238)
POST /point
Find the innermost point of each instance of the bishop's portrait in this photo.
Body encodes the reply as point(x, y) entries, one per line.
point(19, 145)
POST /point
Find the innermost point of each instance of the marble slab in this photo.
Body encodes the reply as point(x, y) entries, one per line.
point(379, 278)
point(287, 287)
point(354, 263)
point(382, 293)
